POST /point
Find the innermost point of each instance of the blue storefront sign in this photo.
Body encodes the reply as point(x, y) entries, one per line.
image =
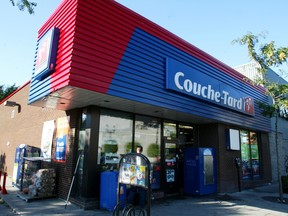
point(191, 81)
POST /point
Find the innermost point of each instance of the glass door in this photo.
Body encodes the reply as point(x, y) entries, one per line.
point(186, 138)
point(170, 156)
point(175, 137)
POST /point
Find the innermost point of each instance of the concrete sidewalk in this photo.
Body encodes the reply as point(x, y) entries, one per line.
point(256, 202)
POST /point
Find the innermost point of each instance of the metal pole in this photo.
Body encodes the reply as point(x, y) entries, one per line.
point(238, 165)
point(71, 185)
point(239, 182)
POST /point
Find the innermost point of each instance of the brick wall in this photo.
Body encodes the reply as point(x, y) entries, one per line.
point(26, 127)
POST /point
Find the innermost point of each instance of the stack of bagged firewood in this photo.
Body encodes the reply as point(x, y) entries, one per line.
point(44, 183)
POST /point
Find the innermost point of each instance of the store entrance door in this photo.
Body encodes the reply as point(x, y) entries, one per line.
point(171, 179)
point(175, 138)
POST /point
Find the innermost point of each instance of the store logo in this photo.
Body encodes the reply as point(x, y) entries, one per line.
point(249, 105)
point(190, 81)
point(46, 53)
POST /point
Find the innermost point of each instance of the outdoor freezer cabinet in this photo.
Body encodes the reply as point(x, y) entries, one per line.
point(199, 171)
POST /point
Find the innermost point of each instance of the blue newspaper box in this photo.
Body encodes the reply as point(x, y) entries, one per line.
point(108, 190)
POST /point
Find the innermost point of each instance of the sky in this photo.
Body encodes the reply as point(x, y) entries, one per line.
point(207, 24)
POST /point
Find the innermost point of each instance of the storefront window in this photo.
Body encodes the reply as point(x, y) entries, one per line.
point(115, 136)
point(170, 130)
point(81, 145)
point(148, 135)
point(249, 154)
point(186, 135)
point(254, 154)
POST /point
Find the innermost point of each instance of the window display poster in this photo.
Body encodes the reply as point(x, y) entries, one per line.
point(170, 175)
point(61, 139)
point(47, 138)
point(245, 152)
point(254, 152)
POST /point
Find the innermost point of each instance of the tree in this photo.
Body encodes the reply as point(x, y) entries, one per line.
point(5, 91)
point(269, 56)
point(25, 4)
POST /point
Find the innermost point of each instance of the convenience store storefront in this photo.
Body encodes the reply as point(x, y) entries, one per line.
point(124, 81)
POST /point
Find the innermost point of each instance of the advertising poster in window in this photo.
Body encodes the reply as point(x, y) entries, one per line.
point(244, 152)
point(255, 159)
point(47, 138)
point(254, 152)
point(61, 139)
point(170, 175)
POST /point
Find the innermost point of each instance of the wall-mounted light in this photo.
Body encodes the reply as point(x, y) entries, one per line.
point(12, 104)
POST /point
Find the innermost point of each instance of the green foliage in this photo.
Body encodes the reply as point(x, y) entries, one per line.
point(108, 148)
point(129, 147)
point(267, 110)
point(153, 150)
point(5, 91)
point(267, 55)
point(25, 4)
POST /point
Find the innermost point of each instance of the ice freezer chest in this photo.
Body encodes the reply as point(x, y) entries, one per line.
point(199, 171)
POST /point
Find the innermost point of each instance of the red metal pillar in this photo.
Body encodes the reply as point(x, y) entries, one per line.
point(4, 191)
point(0, 179)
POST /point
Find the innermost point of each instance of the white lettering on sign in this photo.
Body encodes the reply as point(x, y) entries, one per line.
point(206, 92)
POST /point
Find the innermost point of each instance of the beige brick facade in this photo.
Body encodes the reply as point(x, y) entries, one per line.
point(23, 127)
